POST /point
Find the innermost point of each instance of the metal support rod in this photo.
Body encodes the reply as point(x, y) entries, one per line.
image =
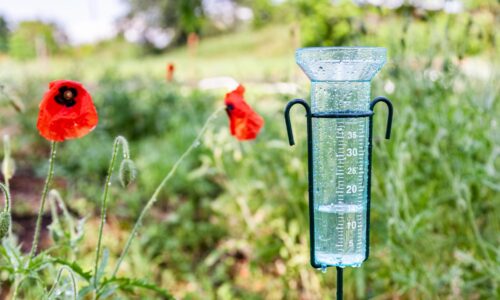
point(309, 166)
point(389, 113)
point(340, 283)
point(370, 146)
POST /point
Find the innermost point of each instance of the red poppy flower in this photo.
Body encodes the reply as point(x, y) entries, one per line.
point(66, 111)
point(170, 72)
point(244, 123)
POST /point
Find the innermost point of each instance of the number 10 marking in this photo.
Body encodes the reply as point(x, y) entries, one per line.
point(352, 225)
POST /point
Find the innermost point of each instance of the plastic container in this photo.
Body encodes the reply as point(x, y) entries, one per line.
point(340, 84)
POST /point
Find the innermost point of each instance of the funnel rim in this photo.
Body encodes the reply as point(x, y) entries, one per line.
point(341, 63)
point(345, 50)
point(342, 48)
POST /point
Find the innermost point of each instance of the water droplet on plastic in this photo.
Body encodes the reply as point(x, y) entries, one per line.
point(323, 269)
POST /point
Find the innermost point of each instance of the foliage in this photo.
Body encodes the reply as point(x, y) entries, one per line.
point(264, 11)
point(183, 16)
point(345, 23)
point(4, 35)
point(324, 24)
point(35, 38)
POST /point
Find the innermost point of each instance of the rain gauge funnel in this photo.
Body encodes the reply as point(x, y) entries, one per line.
point(339, 137)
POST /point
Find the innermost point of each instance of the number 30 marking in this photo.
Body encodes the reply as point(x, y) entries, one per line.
point(352, 152)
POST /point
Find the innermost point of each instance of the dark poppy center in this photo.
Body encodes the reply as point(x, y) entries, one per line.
point(229, 108)
point(66, 96)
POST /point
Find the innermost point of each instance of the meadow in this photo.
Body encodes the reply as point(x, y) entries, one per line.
point(232, 223)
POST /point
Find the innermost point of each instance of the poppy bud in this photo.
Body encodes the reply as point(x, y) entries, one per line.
point(8, 168)
point(8, 164)
point(55, 234)
point(4, 223)
point(127, 172)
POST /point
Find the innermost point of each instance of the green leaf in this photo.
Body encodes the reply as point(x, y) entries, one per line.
point(75, 267)
point(7, 268)
point(107, 290)
point(102, 266)
point(12, 254)
point(40, 262)
point(128, 285)
point(85, 291)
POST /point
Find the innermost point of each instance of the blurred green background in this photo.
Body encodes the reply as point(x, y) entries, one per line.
point(233, 222)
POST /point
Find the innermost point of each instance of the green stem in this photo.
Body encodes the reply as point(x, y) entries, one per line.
point(16, 289)
point(7, 201)
point(7, 158)
point(55, 201)
point(58, 278)
point(119, 140)
point(153, 198)
point(6, 193)
point(48, 180)
point(6, 150)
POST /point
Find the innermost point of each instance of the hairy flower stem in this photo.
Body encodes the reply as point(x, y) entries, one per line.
point(6, 176)
point(16, 288)
point(6, 152)
point(48, 180)
point(154, 197)
point(6, 193)
point(118, 141)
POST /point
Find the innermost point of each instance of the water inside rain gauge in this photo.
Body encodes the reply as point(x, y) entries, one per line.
point(340, 180)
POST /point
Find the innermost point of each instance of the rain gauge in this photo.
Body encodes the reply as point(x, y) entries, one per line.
point(339, 138)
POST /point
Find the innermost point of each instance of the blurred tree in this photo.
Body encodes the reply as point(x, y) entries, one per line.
point(184, 17)
point(4, 35)
point(36, 39)
point(264, 10)
point(324, 23)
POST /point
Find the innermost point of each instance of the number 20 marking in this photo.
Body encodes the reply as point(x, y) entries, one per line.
point(351, 189)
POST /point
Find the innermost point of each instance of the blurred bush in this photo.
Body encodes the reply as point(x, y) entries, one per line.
point(4, 35)
point(32, 39)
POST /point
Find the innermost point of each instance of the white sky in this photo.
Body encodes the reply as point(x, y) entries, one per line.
point(83, 20)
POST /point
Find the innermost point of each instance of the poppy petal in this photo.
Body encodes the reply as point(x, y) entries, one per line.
point(244, 122)
point(66, 116)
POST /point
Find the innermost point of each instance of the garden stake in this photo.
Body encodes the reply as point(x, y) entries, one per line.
point(339, 145)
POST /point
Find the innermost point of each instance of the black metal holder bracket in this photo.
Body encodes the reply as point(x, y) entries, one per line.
point(335, 115)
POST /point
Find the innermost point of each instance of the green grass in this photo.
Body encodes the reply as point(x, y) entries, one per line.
point(228, 55)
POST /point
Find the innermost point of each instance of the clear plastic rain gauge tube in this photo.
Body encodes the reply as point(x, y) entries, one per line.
point(339, 127)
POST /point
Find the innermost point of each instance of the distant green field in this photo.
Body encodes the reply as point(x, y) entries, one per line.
point(263, 55)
